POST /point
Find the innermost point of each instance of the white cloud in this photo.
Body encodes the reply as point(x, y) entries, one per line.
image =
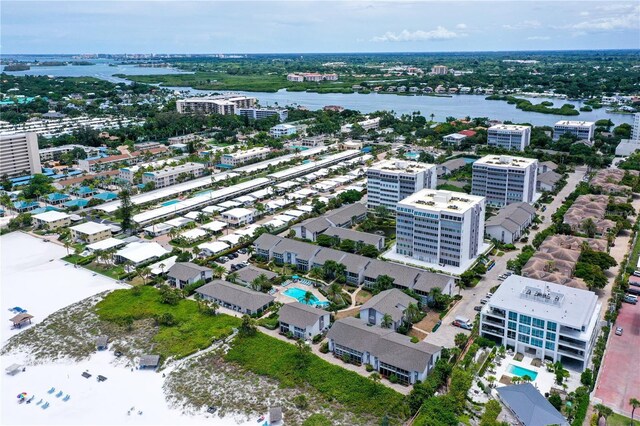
point(585, 13)
point(440, 33)
point(523, 25)
point(623, 22)
point(539, 38)
point(461, 26)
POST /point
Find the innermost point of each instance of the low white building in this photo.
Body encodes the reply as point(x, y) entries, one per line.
point(172, 175)
point(238, 216)
point(627, 147)
point(509, 225)
point(281, 130)
point(211, 249)
point(454, 138)
point(90, 232)
point(138, 253)
point(303, 321)
point(393, 303)
point(182, 274)
point(51, 220)
point(241, 157)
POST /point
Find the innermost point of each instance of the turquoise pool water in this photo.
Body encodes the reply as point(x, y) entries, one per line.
point(520, 371)
point(168, 203)
point(298, 294)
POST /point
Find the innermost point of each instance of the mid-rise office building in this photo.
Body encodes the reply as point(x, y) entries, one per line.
point(390, 181)
point(579, 129)
point(509, 136)
point(241, 157)
point(223, 105)
point(543, 320)
point(260, 113)
point(503, 179)
point(19, 154)
point(281, 130)
point(172, 175)
point(440, 227)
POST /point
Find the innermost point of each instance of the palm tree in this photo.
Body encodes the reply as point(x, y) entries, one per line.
point(213, 308)
point(491, 380)
point(218, 271)
point(412, 313)
point(334, 294)
point(387, 321)
point(603, 412)
point(515, 380)
point(308, 297)
point(635, 403)
point(198, 299)
point(162, 266)
point(232, 277)
point(144, 274)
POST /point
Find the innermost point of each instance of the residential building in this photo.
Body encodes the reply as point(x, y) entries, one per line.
point(90, 232)
point(184, 139)
point(142, 146)
point(247, 275)
point(390, 181)
point(389, 304)
point(54, 153)
point(509, 136)
point(388, 352)
point(281, 130)
point(138, 253)
point(303, 321)
point(235, 297)
point(343, 217)
point(439, 70)
point(242, 157)
point(579, 129)
point(627, 147)
point(238, 216)
point(543, 320)
point(261, 113)
point(175, 174)
point(451, 166)
point(504, 179)
point(357, 237)
point(19, 154)
point(547, 166)
point(635, 130)
point(510, 222)
point(529, 406)
point(441, 227)
point(51, 220)
point(223, 104)
point(454, 138)
point(368, 124)
point(182, 274)
point(547, 181)
point(295, 78)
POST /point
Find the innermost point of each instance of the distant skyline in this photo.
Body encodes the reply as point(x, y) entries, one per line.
point(59, 27)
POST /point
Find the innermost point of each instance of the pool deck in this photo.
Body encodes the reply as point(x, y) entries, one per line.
point(283, 298)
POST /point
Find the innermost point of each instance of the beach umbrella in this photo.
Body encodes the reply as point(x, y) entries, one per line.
point(22, 395)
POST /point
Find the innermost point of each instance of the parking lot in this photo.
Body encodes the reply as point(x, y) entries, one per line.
point(619, 378)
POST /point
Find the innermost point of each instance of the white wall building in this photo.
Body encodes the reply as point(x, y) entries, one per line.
point(172, 175)
point(543, 320)
point(441, 227)
point(303, 321)
point(224, 104)
point(90, 232)
point(260, 113)
point(503, 179)
point(52, 220)
point(281, 130)
point(635, 131)
point(393, 180)
point(19, 154)
point(439, 70)
point(241, 157)
point(238, 216)
point(509, 136)
point(580, 129)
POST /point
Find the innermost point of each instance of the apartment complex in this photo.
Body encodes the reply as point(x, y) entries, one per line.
point(579, 129)
point(543, 320)
point(223, 105)
point(260, 113)
point(281, 130)
point(54, 153)
point(439, 70)
point(90, 232)
point(635, 131)
point(241, 157)
point(390, 181)
point(311, 76)
point(503, 179)
point(19, 154)
point(172, 175)
point(509, 136)
point(440, 227)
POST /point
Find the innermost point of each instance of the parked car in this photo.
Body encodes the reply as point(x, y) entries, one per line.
point(489, 295)
point(628, 298)
point(242, 251)
point(233, 255)
point(484, 301)
point(619, 331)
point(477, 308)
point(636, 273)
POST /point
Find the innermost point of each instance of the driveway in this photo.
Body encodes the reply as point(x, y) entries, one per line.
point(619, 378)
point(471, 297)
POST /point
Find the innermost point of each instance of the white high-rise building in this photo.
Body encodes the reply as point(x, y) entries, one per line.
point(19, 154)
point(223, 104)
point(390, 181)
point(635, 131)
point(580, 129)
point(509, 136)
point(503, 179)
point(440, 227)
point(543, 320)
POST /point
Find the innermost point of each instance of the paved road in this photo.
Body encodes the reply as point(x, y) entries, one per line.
point(445, 335)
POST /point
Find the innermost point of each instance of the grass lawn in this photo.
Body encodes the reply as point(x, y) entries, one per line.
point(449, 187)
point(111, 271)
point(620, 420)
point(193, 330)
point(271, 357)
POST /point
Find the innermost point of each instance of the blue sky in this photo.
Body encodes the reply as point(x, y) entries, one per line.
point(315, 26)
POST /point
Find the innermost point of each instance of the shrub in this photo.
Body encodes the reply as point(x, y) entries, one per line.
point(586, 378)
point(324, 348)
point(317, 338)
point(556, 401)
point(368, 367)
point(414, 339)
point(346, 358)
point(300, 401)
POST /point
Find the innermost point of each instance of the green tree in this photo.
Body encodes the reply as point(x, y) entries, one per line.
point(38, 186)
point(248, 326)
point(387, 321)
point(382, 283)
point(348, 245)
point(125, 212)
point(635, 403)
point(369, 250)
point(460, 339)
point(603, 411)
point(556, 401)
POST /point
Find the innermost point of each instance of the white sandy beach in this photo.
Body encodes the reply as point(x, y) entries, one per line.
point(30, 280)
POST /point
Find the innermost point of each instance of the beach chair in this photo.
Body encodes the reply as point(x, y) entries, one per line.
point(45, 405)
point(66, 398)
point(59, 394)
point(39, 402)
point(52, 390)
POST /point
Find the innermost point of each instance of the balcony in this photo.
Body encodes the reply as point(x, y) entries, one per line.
point(496, 312)
point(490, 320)
point(493, 330)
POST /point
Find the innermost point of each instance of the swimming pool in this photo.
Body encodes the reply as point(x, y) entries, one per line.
point(520, 371)
point(168, 203)
point(298, 294)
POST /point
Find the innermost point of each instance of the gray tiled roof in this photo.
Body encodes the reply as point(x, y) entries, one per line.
point(250, 273)
point(149, 360)
point(316, 224)
point(428, 280)
point(184, 271)
point(300, 315)
point(387, 345)
point(304, 251)
point(326, 253)
point(550, 177)
point(393, 302)
point(266, 241)
point(513, 216)
point(402, 275)
point(349, 234)
point(529, 406)
point(235, 295)
point(345, 213)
